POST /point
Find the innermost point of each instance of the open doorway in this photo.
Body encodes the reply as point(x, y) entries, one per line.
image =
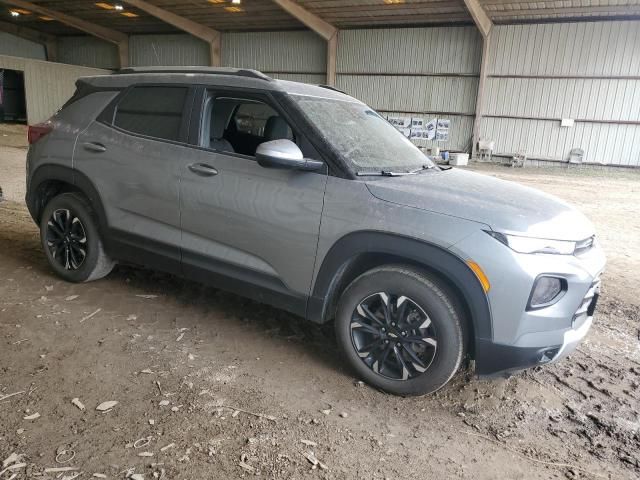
point(13, 107)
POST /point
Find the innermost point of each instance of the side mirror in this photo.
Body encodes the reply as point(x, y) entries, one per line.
point(284, 154)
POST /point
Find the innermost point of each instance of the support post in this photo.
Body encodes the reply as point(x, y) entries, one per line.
point(485, 25)
point(322, 28)
point(482, 87)
point(332, 59)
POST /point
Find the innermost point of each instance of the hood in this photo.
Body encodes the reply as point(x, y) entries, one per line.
point(504, 206)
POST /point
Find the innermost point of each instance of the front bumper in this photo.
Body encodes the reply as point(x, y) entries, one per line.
point(522, 338)
point(496, 359)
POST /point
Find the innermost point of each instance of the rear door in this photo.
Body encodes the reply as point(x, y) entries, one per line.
point(133, 155)
point(258, 227)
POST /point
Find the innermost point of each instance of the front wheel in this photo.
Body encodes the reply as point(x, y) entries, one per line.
point(401, 330)
point(71, 241)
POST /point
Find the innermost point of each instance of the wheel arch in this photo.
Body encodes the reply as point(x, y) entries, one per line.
point(47, 181)
point(359, 252)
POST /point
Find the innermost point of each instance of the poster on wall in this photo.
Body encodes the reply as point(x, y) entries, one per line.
point(417, 123)
point(442, 130)
point(418, 134)
point(399, 122)
point(423, 130)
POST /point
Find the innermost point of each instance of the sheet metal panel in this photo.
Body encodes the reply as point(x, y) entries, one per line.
point(19, 47)
point(616, 144)
point(415, 72)
point(581, 71)
point(415, 94)
point(159, 50)
point(410, 50)
point(87, 51)
point(590, 99)
point(276, 52)
point(592, 48)
point(47, 85)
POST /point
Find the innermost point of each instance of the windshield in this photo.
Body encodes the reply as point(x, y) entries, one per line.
point(364, 139)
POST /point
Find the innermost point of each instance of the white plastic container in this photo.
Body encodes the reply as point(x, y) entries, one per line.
point(459, 159)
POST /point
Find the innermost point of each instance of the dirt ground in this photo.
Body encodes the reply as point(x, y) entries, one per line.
point(210, 385)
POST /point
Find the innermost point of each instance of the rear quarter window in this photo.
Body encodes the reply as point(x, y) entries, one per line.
point(152, 111)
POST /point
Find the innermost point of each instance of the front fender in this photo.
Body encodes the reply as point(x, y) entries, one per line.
point(350, 247)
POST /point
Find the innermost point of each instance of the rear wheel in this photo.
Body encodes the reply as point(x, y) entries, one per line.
point(71, 241)
point(401, 330)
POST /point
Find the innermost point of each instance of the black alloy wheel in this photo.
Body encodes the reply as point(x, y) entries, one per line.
point(66, 239)
point(393, 336)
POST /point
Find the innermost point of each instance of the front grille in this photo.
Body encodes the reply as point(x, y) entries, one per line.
point(588, 304)
point(583, 246)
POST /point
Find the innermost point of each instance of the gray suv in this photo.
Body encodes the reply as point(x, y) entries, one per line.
point(304, 198)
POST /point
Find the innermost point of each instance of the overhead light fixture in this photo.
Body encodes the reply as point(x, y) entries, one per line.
point(216, 1)
point(20, 11)
point(236, 2)
point(14, 13)
point(106, 6)
point(393, 2)
point(129, 14)
point(233, 9)
point(46, 19)
point(118, 7)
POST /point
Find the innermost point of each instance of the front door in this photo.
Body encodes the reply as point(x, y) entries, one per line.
point(254, 228)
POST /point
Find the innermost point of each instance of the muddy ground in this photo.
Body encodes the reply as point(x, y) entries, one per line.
point(210, 385)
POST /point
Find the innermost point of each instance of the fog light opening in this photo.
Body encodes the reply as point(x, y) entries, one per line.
point(547, 290)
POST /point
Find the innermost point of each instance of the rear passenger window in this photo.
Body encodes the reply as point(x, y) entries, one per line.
point(152, 111)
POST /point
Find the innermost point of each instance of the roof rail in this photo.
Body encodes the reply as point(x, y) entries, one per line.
point(329, 87)
point(237, 72)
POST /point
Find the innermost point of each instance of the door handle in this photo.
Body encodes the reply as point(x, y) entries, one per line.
point(203, 170)
point(94, 147)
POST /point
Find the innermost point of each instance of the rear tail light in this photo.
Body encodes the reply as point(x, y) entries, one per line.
point(36, 132)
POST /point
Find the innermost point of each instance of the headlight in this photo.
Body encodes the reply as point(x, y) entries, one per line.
point(535, 245)
point(546, 291)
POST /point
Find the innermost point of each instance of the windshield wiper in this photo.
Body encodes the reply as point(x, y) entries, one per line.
point(424, 167)
point(382, 173)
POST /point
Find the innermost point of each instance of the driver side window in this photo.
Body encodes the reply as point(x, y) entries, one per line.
point(238, 125)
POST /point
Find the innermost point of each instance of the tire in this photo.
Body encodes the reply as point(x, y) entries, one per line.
point(69, 217)
point(422, 333)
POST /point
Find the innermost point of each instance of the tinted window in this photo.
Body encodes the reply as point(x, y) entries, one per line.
point(152, 111)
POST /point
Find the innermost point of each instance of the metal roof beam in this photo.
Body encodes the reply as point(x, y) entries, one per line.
point(322, 28)
point(49, 41)
point(480, 17)
point(209, 35)
point(311, 20)
point(113, 36)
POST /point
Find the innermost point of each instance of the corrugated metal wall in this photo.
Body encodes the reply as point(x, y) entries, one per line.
point(588, 72)
point(47, 85)
point(87, 51)
point(144, 50)
point(19, 47)
point(298, 56)
point(179, 49)
point(415, 72)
